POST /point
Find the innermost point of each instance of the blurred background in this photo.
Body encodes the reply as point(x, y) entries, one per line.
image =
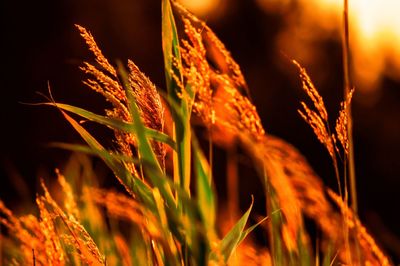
point(41, 46)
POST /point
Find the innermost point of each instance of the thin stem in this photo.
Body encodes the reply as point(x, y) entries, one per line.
point(335, 161)
point(210, 154)
point(347, 87)
point(33, 257)
point(335, 165)
point(232, 182)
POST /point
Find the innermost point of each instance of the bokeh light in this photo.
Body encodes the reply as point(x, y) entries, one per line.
point(203, 7)
point(375, 34)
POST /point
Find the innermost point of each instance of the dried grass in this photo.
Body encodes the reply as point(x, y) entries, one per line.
point(221, 101)
point(299, 190)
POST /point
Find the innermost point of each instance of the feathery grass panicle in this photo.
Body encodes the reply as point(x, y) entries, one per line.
point(216, 78)
point(231, 110)
point(218, 84)
point(118, 103)
point(196, 69)
point(371, 252)
point(108, 85)
point(147, 98)
point(25, 233)
point(318, 120)
point(69, 198)
point(52, 242)
point(289, 204)
point(319, 127)
point(216, 50)
point(307, 186)
point(234, 111)
point(100, 58)
point(225, 62)
point(312, 92)
point(106, 82)
point(122, 207)
point(150, 105)
point(215, 89)
point(342, 123)
point(82, 241)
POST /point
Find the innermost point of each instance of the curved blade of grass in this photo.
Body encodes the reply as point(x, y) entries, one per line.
point(170, 45)
point(205, 192)
point(234, 237)
point(250, 229)
point(73, 147)
point(174, 221)
point(171, 253)
point(172, 64)
point(115, 123)
point(277, 246)
point(146, 153)
point(88, 150)
point(144, 147)
point(304, 252)
point(119, 170)
point(120, 157)
point(139, 248)
point(329, 255)
point(186, 226)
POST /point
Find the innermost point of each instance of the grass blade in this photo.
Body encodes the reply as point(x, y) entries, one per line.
point(170, 45)
point(173, 75)
point(205, 192)
point(146, 154)
point(250, 229)
point(119, 170)
point(234, 237)
point(115, 123)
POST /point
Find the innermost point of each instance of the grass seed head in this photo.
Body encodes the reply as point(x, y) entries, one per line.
point(100, 58)
point(342, 123)
point(371, 252)
point(312, 92)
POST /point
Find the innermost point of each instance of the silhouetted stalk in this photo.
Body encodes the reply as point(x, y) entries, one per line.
point(350, 172)
point(347, 88)
point(232, 182)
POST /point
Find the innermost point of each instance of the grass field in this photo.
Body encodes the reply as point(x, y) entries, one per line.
point(164, 208)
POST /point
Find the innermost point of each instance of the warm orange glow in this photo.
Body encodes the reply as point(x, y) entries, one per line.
point(202, 7)
point(374, 34)
point(375, 28)
point(273, 5)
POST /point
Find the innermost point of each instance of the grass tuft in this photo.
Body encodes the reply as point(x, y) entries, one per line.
point(165, 211)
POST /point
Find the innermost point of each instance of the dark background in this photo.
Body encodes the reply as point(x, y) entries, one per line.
point(40, 44)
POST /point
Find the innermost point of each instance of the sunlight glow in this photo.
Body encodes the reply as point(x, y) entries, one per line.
point(377, 43)
point(201, 7)
point(374, 34)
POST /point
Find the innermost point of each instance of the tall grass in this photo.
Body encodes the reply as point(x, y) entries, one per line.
point(165, 211)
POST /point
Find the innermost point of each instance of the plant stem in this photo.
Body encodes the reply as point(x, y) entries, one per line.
point(347, 87)
point(232, 183)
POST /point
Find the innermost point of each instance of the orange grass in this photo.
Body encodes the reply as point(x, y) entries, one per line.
point(155, 223)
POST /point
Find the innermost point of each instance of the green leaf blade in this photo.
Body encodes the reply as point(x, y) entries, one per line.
point(234, 237)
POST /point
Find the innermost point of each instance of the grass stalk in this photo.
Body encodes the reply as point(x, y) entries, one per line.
point(347, 88)
point(232, 183)
point(350, 171)
point(160, 221)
